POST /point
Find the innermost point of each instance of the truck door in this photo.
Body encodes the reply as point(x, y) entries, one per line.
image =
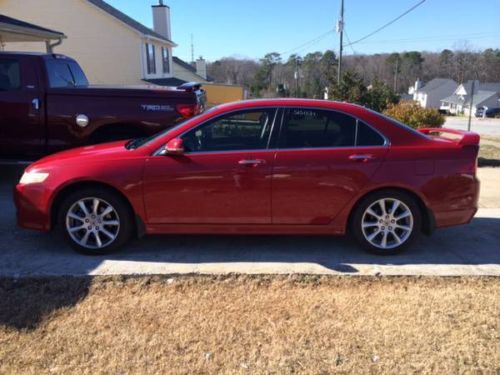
point(22, 134)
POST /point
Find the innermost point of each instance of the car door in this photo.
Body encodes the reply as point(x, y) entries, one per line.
point(324, 159)
point(222, 178)
point(22, 134)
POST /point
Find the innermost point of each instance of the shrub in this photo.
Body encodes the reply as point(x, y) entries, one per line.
point(412, 114)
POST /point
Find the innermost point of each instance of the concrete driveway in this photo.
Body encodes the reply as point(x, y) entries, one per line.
point(467, 250)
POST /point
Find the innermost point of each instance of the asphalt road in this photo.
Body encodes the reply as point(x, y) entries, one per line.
point(468, 250)
point(487, 126)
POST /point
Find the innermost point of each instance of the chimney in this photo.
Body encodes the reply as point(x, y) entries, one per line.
point(418, 85)
point(201, 67)
point(161, 20)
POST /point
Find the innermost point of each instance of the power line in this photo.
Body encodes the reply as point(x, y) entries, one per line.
point(349, 40)
point(309, 43)
point(389, 23)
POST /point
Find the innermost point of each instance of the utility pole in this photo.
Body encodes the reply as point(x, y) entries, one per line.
point(192, 49)
point(396, 76)
point(340, 30)
point(470, 105)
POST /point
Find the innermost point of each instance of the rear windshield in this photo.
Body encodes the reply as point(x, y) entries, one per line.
point(65, 73)
point(398, 123)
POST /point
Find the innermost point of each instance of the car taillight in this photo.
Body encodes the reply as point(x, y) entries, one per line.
point(187, 110)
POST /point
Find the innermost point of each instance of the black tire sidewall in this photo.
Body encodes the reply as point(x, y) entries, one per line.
point(356, 219)
point(121, 207)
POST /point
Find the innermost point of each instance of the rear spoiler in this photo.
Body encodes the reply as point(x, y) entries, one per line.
point(190, 86)
point(466, 138)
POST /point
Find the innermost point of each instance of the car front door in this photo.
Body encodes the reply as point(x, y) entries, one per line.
point(324, 159)
point(22, 134)
point(222, 178)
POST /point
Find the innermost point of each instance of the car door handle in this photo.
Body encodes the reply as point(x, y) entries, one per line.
point(251, 162)
point(361, 157)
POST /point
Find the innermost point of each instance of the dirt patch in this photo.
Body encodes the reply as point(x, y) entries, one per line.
point(245, 324)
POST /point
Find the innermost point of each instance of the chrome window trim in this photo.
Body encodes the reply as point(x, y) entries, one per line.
point(386, 144)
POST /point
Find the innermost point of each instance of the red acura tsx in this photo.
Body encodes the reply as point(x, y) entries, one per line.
point(281, 166)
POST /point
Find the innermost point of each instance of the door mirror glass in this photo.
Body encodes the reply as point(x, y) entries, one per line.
point(174, 147)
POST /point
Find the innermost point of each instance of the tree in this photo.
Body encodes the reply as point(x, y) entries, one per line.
point(412, 114)
point(350, 89)
point(379, 96)
point(394, 62)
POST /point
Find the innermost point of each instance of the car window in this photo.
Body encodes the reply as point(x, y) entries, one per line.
point(366, 136)
point(64, 73)
point(10, 77)
point(311, 128)
point(243, 130)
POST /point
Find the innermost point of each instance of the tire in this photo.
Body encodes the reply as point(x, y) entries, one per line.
point(369, 225)
point(92, 233)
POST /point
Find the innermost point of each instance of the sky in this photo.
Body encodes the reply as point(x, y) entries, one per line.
point(252, 28)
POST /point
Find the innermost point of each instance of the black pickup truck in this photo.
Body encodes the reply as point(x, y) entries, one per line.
point(47, 104)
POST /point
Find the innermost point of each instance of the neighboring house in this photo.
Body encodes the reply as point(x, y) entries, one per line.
point(111, 47)
point(486, 94)
point(430, 95)
point(184, 72)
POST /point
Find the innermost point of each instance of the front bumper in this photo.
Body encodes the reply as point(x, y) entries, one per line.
point(32, 209)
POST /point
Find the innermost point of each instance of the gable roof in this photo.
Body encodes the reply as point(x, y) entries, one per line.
point(479, 97)
point(13, 27)
point(189, 67)
point(128, 20)
point(436, 83)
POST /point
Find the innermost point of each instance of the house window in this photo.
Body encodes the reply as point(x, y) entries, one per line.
point(165, 58)
point(150, 58)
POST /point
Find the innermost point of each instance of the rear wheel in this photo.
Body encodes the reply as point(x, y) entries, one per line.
point(95, 221)
point(386, 222)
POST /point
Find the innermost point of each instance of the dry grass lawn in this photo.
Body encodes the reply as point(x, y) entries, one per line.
point(250, 324)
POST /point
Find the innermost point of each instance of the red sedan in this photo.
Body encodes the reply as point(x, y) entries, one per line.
point(284, 166)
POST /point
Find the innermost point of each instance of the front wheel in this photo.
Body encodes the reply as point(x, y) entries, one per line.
point(95, 221)
point(386, 222)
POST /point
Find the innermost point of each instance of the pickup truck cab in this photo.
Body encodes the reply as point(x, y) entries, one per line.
point(47, 105)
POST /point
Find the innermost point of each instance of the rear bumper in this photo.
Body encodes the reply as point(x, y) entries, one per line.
point(31, 208)
point(462, 208)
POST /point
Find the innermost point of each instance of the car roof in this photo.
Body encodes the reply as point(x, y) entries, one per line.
point(290, 102)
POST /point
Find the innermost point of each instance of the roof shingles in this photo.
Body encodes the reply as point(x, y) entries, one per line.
point(127, 20)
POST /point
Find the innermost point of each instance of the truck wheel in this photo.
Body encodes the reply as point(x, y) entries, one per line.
point(95, 221)
point(386, 222)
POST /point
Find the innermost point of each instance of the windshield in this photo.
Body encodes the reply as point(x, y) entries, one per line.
point(139, 142)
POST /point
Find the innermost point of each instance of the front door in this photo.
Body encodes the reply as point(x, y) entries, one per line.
point(223, 177)
point(324, 159)
point(22, 134)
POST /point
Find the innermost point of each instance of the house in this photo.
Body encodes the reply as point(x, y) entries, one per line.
point(111, 47)
point(430, 95)
point(184, 72)
point(486, 94)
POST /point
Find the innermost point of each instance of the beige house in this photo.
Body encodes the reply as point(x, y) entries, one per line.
point(111, 47)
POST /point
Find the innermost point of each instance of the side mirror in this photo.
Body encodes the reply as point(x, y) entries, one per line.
point(174, 147)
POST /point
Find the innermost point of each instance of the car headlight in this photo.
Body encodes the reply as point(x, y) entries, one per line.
point(33, 178)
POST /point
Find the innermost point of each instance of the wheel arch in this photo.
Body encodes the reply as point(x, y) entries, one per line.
point(77, 185)
point(428, 220)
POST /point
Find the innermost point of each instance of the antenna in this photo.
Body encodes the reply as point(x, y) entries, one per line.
point(192, 48)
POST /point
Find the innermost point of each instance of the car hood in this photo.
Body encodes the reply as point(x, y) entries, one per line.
point(105, 151)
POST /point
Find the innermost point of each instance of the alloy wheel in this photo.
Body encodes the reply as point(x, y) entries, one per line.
point(387, 223)
point(92, 223)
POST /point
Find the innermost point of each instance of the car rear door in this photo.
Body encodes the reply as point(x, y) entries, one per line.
point(22, 134)
point(324, 159)
point(222, 178)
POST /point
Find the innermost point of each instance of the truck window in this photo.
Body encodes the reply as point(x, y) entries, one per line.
point(10, 77)
point(64, 73)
